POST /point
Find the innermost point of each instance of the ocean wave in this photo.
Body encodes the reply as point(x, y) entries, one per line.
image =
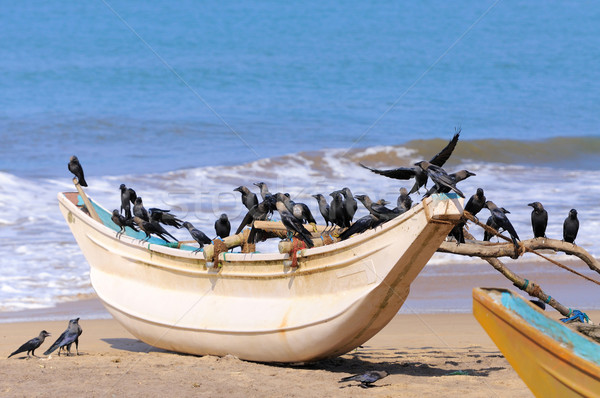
point(43, 265)
point(560, 152)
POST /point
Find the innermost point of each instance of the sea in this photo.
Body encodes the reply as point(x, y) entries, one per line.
point(186, 100)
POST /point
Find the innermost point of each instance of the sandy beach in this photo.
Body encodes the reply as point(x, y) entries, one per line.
point(425, 355)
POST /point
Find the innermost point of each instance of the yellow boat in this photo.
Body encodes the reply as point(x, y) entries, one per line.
point(551, 358)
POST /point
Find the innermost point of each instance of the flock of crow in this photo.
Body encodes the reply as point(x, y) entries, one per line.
point(338, 212)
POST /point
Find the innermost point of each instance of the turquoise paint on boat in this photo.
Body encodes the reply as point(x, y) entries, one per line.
point(106, 219)
point(580, 345)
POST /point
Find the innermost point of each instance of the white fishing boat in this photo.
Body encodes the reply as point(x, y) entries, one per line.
point(254, 305)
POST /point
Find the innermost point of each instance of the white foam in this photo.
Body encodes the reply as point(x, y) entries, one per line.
point(41, 263)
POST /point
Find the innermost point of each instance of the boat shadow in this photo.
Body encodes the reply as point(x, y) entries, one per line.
point(428, 363)
point(131, 345)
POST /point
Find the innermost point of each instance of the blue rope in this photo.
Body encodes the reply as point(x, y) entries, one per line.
point(525, 285)
point(548, 300)
point(577, 316)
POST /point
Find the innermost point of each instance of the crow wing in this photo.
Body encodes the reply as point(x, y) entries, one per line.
point(445, 153)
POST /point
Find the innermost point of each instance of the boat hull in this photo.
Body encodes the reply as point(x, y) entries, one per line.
point(254, 306)
point(552, 359)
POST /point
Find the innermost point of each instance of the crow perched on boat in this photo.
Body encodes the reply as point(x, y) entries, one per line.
point(378, 210)
point(323, 207)
point(539, 219)
point(77, 170)
point(291, 223)
point(165, 217)
point(122, 222)
point(152, 227)
point(337, 212)
point(571, 227)
point(350, 204)
point(440, 178)
point(490, 223)
point(369, 221)
point(404, 202)
point(68, 337)
point(197, 235)
point(32, 345)
point(249, 198)
point(406, 173)
point(128, 197)
point(298, 210)
point(455, 177)
point(260, 212)
point(139, 210)
point(264, 190)
point(222, 226)
point(366, 379)
point(499, 217)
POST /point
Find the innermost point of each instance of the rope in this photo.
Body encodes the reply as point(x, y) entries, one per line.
point(219, 247)
point(576, 316)
point(523, 248)
point(327, 239)
point(297, 245)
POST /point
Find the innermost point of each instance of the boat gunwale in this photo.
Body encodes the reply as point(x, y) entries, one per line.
point(240, 258)
point(539, 338)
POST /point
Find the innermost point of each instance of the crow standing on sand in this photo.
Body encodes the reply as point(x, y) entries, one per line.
point(406, 173)
point(539, 220)
point(249, 198)
point(499, 217)
point(197, 235)
point(68, 337)
point(77, 170)
point(291, 223)
point(440, 178)
point(222, 226)
point(571, 227)
point(32, 344)
point(122, 222)
point(366, 379)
